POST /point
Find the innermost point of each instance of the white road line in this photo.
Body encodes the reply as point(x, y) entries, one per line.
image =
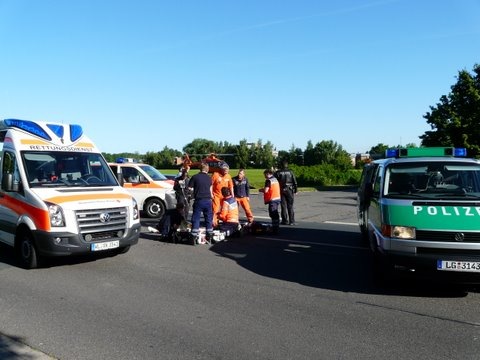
point(340, 223)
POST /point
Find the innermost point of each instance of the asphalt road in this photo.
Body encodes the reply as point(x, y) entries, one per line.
point(304, 294)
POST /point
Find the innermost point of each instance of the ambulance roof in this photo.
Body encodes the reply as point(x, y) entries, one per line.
point(40, 135)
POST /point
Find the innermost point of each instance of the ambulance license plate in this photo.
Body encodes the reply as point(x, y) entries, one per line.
point(467, 266)
point(105, 245)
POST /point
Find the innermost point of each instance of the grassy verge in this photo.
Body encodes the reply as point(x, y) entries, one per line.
point(257, 180)
point(255, 176)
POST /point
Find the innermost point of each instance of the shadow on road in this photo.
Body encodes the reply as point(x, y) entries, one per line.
point(8, 257)
point(9, 349)
point(321, 262)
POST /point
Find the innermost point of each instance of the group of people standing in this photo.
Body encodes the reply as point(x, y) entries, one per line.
point(219, 197)
point(279, 190)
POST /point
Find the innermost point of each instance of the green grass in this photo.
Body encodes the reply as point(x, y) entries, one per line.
point(255, 176)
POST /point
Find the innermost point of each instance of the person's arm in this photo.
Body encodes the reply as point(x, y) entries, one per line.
point(266, 189)
point(294, 181)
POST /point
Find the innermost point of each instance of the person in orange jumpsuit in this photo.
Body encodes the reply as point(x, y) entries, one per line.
point(228, 213)
point(241, 190)
point(220, 179)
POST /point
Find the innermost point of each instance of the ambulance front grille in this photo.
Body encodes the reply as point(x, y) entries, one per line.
point(448, 236)
point(102, 224)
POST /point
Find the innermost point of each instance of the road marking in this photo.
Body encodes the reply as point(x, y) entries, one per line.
point(340, 223)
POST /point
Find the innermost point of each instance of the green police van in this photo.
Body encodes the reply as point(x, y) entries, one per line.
point(419, 210)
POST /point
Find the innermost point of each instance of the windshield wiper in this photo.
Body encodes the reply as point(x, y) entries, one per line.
point(457, 194)
point(411, 195)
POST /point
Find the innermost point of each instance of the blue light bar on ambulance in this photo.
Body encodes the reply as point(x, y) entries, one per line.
point(28, 126)
point(76, 132)
point(426, 151)
point(122, 160)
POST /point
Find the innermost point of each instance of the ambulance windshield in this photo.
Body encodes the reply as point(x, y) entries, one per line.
point(435, 180)
point(153, 173)
point(54, 168)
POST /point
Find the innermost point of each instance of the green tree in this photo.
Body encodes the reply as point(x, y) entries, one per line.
point(378, 151)
point(163, 159)
point(242, 155)
point(455, 119)
point(199, 147)
point(294, 156)
point(330, 152)
point(262, 155)
point(309, 154)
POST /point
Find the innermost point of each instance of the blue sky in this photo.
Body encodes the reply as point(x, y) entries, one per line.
point(141, 75)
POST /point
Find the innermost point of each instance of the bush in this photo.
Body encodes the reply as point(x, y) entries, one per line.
point(325, 175)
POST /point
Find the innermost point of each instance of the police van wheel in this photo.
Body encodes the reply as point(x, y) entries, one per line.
point(28, 253)
point(382, 268)
point(154, 208)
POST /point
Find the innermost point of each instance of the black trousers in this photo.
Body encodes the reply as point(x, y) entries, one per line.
point(288, 214)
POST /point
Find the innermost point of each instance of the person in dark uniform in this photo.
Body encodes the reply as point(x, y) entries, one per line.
point(288, 189)
point(201, 187)
point(182, 193)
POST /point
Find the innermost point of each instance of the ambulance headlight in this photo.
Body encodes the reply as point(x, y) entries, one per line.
point(136, 213)
point(399, 232)
point(56, 215)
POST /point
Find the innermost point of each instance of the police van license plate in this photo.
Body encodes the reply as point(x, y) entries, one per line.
point(105, 245)
point(467, 266)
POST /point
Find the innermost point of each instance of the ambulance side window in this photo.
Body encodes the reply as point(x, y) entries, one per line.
point(10, 173)
point(131, 175)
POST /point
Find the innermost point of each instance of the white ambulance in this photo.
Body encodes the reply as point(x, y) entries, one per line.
point(58, 196)
point(152, 190)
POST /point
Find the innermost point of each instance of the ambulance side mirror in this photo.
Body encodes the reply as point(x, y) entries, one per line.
point(120, 179)
point(8, 184)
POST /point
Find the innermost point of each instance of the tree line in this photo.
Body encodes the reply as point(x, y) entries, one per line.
point(454, 121)
point(246, 155)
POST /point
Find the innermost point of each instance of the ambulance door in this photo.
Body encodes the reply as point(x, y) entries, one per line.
point(11, 197)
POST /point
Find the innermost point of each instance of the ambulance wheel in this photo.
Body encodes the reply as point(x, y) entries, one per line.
point(154, 208)
point(28, 253)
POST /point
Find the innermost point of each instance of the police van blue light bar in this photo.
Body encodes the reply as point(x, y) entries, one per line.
point(428, 152)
